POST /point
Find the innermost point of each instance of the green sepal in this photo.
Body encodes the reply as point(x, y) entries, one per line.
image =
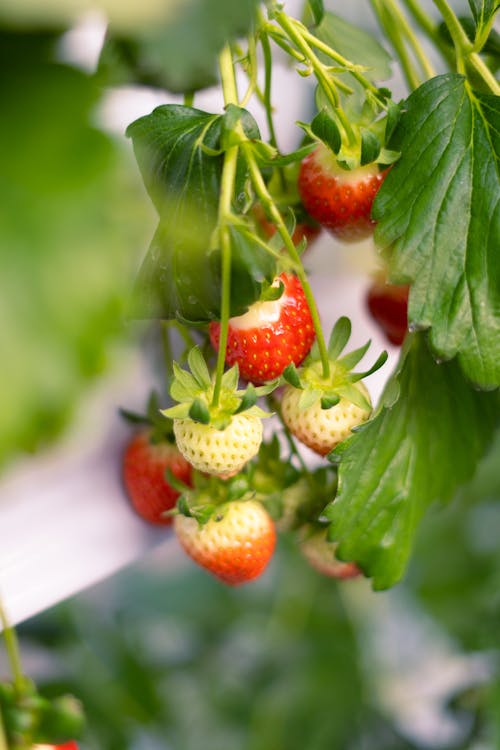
point(328, 401)
point(249, 399)
point(184, 386)
point(351, 359)
point(352, 394)
point(179, 411)
point(340, 335)
point(324, 127)
point(199, 411)
point(370, 147)
point(199, 368)
point(291, 375)
point(272, 292)
point(308, 397)
point(381, 360)
point(284, 160)
point(230, 378)
point(175, 482)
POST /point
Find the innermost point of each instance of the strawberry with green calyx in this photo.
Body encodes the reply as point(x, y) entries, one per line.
point(149, 459)
point(276, 331)
point(320, 553)
point(223, 528)
point(322, 409)
point(217, 437)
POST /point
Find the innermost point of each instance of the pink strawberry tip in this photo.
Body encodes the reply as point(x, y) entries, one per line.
point(340, 383)
point(193, 389)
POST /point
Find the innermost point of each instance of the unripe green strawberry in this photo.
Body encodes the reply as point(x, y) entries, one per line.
point(322, 429)
point(235, 544)
point(219, 452)
point(320, 554)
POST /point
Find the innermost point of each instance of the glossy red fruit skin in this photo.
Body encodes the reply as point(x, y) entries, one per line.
point(66, 746)
point(340, 201)
point(388, 306)
point(144, 465)
point(263, 352)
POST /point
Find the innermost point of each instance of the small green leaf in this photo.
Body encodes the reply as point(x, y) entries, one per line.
point(308, 397)
point(199, 368)
point(351, 360)
point(354, 395)
point(291, 375)
point(340, 335)
point(370, 147)
point(199, 411)
point(439, 221)
point(317, 10)
point(248, 400)
point(328, 401)
point(381, 360)
point(415, 451)
point(326, 129)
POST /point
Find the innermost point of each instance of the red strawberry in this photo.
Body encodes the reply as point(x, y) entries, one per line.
point(307, 228)
point(67, 746)
point(144, 466)
point(341, 200)
point(235, 544)
point(271, 335)
point(388, 306)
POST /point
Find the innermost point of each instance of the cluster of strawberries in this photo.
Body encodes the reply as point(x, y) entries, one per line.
point(195, 479)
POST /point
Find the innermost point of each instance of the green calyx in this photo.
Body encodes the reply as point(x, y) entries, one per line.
point(210, 494)
point(340, 382)
point(194, 392)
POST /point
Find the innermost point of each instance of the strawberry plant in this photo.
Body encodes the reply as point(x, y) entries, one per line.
point(420, 176)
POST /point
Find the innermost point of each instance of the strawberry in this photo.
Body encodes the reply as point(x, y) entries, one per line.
point(339, 199)
point(320, 406)
point(271, 335)
point(323, 429)
point(144, 465)
point(320, 554)
point(388, 306)
point(222, 453)
point(235, 544)
point(216, 435)
point(66, 746)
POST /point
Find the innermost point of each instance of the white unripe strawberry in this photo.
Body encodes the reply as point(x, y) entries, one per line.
point(222, 453)
point(322, 429)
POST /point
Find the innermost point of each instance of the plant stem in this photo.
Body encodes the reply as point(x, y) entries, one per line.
point(296, 32)
point(393, 33)
point(270, 208)
point(464, 49)
point(189, 99)
point(420, 55)
point(12, 649)
point(430, 29)
point(3, 737)
point(252, 75)
point(227, 189)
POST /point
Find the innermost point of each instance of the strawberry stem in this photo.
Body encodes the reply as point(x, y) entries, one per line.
point(427, 25)
point(3, 736)
point(401, 22)
point(297, 32)
point(271, 208)
point(393, 32)
point(12, 649)
point(464, 48)
point(227, 189)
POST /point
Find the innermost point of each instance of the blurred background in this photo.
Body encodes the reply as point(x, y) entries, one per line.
point(161, 655)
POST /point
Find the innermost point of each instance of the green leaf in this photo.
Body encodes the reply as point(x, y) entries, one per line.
point(340, 335)
point(415, 451)
point(199, 368)
point(370, 147)
point(317, 10)
point(482, 11)
point(438, 213)
point(177, 52)
point(325, 128)
point(356, 45)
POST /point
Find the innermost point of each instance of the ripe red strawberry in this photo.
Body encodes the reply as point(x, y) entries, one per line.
point(235, 544)
point(388, 306)
point(341, 200)
point(144, 466)
point(66, 746)
point(320, 554)
point(271, 335)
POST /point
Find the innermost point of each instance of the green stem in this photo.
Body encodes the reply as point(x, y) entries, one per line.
point(393, 33)
point(418, 51)
point(252, 74)
point(167, 351)
point(3, 736)
point(272, 210)
point(12, 649)
point(464, 49)
point(296, 33)
point(227, 189)
point(427, 25)
point(189, 98)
